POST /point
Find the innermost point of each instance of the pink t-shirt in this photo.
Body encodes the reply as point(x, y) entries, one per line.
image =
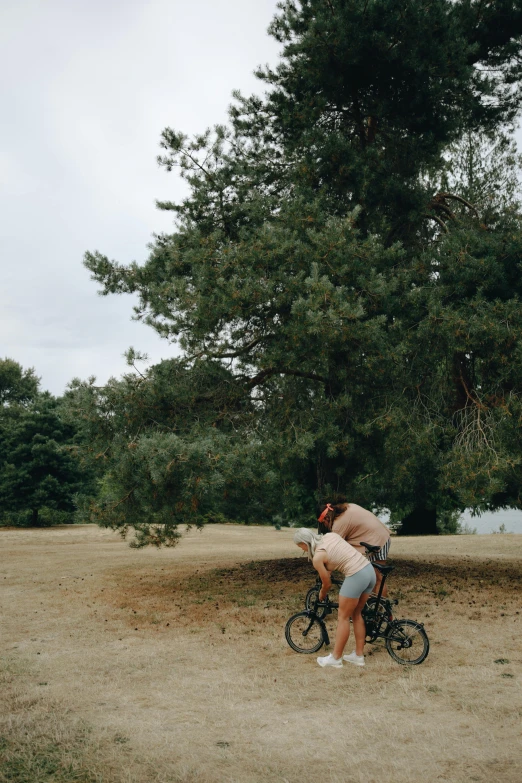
point(357, 524)
point(341, 556)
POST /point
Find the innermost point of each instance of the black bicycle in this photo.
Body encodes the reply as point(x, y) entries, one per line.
point(406, 640)
point(312, 596)
point(311, 599)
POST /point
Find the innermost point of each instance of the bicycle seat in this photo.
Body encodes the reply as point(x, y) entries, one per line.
point(383, 569)
point(372, 549)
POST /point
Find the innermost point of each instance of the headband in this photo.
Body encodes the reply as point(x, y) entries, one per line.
point(328, 508)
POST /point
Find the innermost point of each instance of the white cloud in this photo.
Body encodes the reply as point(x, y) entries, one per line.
point(86, 89)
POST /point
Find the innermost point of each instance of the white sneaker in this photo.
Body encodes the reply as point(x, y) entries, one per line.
point(357, 660)
point(329, 660)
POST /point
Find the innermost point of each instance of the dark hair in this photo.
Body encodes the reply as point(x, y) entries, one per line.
point(339, 505)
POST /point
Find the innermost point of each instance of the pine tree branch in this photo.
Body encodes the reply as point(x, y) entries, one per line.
point(198, 165)
point(264, 374)
point(469, 396)
point(441, 207)
point(231, 354)
point(437, 220)
point(123, 499)
point(458, 198)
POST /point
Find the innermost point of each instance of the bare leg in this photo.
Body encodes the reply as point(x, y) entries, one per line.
point(347, 607)
point(359, 628)
point(379, 579)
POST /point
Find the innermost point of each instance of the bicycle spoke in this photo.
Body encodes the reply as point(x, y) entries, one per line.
point(408, 642)
point(408, 653)
point(304, 633)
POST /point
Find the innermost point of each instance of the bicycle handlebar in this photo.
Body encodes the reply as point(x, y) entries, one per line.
point(327, 602)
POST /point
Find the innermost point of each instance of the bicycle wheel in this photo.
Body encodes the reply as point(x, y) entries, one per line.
point(383, 611)
point(407, 642)
point(375, 625)
point(304, 633)
point(313, 594)
point(311, 599)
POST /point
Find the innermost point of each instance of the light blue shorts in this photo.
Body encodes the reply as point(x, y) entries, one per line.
point(361, 582)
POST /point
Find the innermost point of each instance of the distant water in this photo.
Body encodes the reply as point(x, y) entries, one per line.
point(490, 521)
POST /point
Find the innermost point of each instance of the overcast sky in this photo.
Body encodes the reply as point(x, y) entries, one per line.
point(86, 89)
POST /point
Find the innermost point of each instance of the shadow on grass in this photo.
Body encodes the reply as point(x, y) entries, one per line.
point(264, 592)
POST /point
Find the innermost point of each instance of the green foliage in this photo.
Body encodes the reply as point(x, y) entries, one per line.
point(177, 447)
point(39, 471)
point(484, 169)
point(449, 522)
point(346, 324)
point(369, 94)
point(16, 384)
point(502, 529)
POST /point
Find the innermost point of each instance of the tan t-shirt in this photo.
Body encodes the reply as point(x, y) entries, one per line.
point(341, 556)
point(357, 524)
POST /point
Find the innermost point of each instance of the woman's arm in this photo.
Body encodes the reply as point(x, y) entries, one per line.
point(319, 565)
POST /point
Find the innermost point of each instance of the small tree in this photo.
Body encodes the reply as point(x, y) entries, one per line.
point(39, 472)
point(17, 386)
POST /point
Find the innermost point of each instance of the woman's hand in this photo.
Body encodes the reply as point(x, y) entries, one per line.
point(320, 567)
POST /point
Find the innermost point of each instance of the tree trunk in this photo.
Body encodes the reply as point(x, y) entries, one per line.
point(421, 522)
point(34, 518)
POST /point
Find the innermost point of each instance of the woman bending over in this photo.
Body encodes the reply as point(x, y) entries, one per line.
point(331, 553)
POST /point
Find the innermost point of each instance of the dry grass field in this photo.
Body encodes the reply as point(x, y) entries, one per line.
point(125, 666)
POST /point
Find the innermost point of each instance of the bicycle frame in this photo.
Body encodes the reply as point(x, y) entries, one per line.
point(372, 615)
point(311, 613)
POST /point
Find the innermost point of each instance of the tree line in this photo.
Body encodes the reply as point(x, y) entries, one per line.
point(343, 280)
point(42, 472)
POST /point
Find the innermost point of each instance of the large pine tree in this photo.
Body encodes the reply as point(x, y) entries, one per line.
point(360, 310)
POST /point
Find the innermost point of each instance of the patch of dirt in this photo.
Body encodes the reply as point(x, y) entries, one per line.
point(208, 597)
